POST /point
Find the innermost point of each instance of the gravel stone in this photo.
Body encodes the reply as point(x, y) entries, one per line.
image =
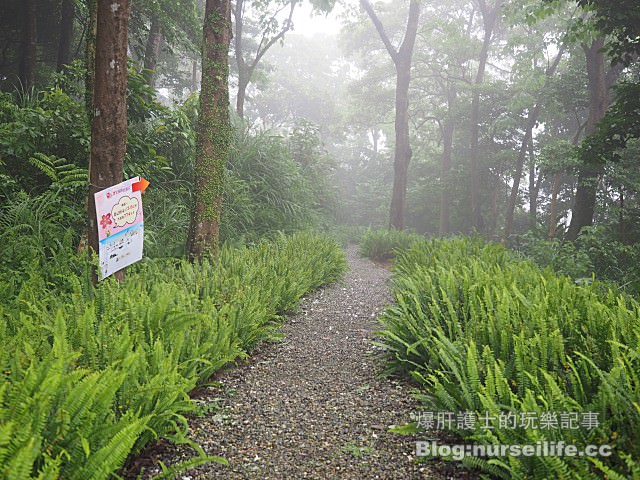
point(312, 406)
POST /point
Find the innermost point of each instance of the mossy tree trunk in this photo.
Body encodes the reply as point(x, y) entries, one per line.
point(109, 125)
point(213, 132)
point(90, 56)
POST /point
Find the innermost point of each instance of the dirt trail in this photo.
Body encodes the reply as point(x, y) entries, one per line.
point(312, 406)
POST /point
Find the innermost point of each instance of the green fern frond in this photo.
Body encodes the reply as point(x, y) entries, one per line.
point(59, 171)
point(112, 456)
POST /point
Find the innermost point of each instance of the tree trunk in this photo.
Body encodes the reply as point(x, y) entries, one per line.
point(553, 209)
point(194, 76)
point(109, 125)
point(90, 57)
point(152, 51)
point(448, 130)
point(246, 69)
point(29, 45)
point(515, 188)
point(243, 83)
point(493, 224)
point(67, 18)
point(599, 83)
point(490, 19)
point(239, 51)
point(585, 200)
point(402, 61)
point(534, 190)
point(532, 119)
point(476, 212)
point(623, 236)
point(402, 152)
point(213, 132)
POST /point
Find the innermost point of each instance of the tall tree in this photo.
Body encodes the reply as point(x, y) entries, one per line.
point(213, 131)
point(109, 124)
point(152, 51)
point(29, 44)
point(439, 79)
point(401, 57)
point(600, 80)
point(490, 17)
point(621, 19)
point(272, 31)
point(67, 20)
point(532, 120)
point(166, 33)
point(448, 129)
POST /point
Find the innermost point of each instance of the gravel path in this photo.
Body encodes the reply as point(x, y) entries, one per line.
point(312, 406)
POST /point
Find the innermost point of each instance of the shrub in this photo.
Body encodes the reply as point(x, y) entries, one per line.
point(563, 258)
point(37, 234)
point(611, 259)
point(40, 122)
point(268, 188)
point(596, 252)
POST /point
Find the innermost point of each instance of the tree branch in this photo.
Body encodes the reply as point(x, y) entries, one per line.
point(263, 49)
point(380, 28)
point(238, 12)
point(410, 32)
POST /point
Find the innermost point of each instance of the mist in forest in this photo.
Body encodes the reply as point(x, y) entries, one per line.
point(441, 117)
point(496, 105)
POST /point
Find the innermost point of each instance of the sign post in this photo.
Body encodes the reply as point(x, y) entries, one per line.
point(120, 225)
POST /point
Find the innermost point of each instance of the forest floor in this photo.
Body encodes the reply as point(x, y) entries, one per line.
point(313, 405)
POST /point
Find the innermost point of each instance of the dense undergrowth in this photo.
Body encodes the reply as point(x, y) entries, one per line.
point(90, 375)
point(596, 252)
point(383, 244)
point(275, 181)
point(483, 331)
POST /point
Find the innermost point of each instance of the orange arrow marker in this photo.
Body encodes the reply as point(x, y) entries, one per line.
point(141, 185)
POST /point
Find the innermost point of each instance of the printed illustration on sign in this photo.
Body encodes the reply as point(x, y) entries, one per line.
point(120, 225)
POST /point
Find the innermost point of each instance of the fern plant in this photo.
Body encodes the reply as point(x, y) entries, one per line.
point(60, 171)
point(483, 331)
point(91, 375)
point(383, 244)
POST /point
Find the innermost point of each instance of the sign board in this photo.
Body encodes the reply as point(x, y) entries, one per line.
point(120, 225)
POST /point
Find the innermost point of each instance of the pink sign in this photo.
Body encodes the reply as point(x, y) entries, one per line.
point(120, 226)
